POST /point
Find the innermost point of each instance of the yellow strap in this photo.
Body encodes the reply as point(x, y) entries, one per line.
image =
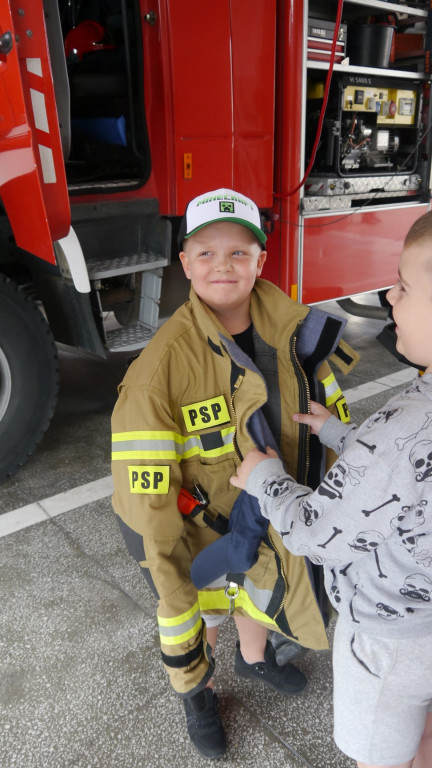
point(215, 599)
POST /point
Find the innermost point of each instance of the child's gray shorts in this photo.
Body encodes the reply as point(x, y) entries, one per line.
point(382, 694)
point(213, 620)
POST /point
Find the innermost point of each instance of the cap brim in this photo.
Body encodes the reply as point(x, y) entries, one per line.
point(262, 237)
point(259, 234)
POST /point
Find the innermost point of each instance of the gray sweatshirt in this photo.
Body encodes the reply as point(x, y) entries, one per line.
point(369, 523)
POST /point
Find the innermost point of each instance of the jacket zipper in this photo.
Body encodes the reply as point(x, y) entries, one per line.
point(281, 605)
point(303, 452)
point(239, 380)
point(304, 403)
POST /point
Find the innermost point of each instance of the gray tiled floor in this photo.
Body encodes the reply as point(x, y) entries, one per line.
point(81, 683)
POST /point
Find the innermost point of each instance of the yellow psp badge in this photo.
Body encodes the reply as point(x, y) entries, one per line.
point(342, 407)
point(206, 413)
point(150, 479)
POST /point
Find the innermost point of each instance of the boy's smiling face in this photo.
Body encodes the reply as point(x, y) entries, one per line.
point(223, 260)
point(411, 299)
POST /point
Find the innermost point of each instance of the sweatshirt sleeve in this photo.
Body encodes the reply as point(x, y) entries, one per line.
point(325, 524)
point(336, 435)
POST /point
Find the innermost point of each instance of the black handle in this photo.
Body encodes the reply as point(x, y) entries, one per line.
point(6, 42)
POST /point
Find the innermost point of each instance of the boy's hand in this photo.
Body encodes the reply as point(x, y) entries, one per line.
point(315, 419)
point(249, 463)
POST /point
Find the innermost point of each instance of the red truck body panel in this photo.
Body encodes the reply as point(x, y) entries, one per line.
point(32, 177)
point(222, 94)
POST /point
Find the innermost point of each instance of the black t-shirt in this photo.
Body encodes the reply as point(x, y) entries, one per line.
point(245, 341)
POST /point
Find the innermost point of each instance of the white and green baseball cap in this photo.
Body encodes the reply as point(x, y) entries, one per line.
point(221, 205)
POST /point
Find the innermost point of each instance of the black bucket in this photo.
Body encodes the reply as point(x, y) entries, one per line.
point(369, 45)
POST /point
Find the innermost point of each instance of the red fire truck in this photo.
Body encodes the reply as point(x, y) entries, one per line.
point(114, 113)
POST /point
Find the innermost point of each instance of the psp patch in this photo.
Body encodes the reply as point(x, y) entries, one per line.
point(206, 413)
point(149, 479)
point(342, 407)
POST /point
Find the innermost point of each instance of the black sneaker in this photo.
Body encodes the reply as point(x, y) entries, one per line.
point(286, 680)
point(286, 649)
point(204, 724)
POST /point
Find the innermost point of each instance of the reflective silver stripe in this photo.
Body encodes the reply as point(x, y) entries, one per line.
point(47, 164)
point(174, 446)
point(332, 389)
point(175, 631)
point(260, 597)
point(39, 110)
point(179, 629)
point(155, 446)
point(34, 66)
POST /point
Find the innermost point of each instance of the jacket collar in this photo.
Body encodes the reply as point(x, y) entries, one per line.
point(267, 303)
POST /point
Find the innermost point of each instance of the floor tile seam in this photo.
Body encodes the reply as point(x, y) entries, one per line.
point(52, 506)
point(383, 383)
point(281, 739)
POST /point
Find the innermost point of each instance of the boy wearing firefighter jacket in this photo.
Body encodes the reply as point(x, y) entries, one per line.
point(224, 374)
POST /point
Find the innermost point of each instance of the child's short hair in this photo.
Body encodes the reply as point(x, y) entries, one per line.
point(420, 230)
point(221, 205)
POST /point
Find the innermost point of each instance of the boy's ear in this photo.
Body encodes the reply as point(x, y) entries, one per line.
point(261, 261)
point(185, 264)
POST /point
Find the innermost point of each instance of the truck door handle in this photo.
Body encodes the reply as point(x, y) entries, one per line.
point(6, 43)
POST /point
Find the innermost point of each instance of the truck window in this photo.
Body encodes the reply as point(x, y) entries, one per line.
point(108, 139)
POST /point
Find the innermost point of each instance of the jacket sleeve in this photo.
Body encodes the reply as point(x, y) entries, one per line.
point(147, 480)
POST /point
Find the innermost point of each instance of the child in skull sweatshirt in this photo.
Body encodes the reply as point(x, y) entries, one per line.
point(370, 520)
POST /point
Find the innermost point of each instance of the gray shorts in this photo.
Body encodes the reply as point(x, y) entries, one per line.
point(382, 694)
point(213, 620)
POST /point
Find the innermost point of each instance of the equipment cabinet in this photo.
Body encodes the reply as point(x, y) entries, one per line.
point(368, 175)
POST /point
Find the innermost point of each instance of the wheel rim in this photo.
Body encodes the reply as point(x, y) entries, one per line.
point(5, 384)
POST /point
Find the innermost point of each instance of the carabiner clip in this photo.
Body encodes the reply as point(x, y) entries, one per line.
point(231, 592)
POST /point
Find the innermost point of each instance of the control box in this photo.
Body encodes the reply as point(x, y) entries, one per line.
point(371, 126)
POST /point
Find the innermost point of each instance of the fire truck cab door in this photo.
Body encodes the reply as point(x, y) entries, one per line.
point(33, 187)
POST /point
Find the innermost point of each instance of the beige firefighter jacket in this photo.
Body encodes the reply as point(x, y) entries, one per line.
point(182, 418)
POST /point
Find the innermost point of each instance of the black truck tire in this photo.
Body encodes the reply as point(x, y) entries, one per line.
point(28, 376)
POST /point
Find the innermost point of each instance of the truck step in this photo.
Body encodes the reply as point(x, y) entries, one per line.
point(123, 265)
point(129, 338)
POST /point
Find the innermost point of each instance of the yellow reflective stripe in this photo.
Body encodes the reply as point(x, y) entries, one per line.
point(215, 599)
point(166, 445)
point(183, 638)
point(175, 621)
point(179, 629)
point(228, 448)
point(332, 389)
point(157, 445)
